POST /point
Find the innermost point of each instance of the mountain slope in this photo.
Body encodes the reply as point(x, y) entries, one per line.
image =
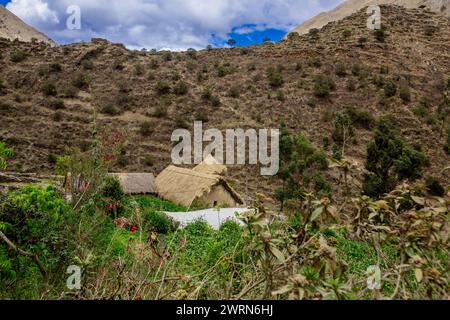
point(351, 6)
point(149, 94)
point(12, 27)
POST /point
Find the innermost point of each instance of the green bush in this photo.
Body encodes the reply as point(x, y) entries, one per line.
point(146, 128)
point(35, 220)
point(340, 69)
point(18, 56)
point(389, 161)
point(162, 88)
point(390, 89)
point(181, 88)
point(447, 145)
point(49, 88)
point(235, 91)
point(2, 87)
point(361, 117)
point(275, 77)
point(323, 85)
point(405, 94)
point(87, 64)
point(158, 221)
point(5, 153)
point(380, 35)
point(55, 67)
point(434, 187)
point(70, 92)
point(80, 81)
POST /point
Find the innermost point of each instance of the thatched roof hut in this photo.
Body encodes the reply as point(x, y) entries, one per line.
point(211, 166)
point(185, 187)
point(136, 183)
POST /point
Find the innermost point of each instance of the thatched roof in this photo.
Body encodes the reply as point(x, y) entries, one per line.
point(184, 186)
point(211, 166)
point(136, 183)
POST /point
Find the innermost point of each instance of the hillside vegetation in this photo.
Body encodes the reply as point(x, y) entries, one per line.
point(359, 209)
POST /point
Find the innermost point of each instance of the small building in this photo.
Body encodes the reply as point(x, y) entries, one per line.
point(186, 187)
point(136, 183)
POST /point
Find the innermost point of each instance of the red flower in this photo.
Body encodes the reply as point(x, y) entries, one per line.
point(133, 229)
point(110, 207)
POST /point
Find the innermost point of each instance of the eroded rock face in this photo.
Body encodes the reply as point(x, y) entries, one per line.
point(351, 6)
point(12, 27)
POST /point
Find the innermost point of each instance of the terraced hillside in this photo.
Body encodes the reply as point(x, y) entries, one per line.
point(49, 94)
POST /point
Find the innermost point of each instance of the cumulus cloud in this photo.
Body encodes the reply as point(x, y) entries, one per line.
point(174, 24)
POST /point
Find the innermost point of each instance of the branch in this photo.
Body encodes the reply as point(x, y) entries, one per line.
point(24, 253)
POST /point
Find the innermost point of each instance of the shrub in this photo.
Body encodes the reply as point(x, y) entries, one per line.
point(80, 81)
point(57, 116)
point(158, 221)
point(390, 160)
point(356, 69)
point(380, 35)
point(112, 189)
point(55, 67)
point(362, 42)
point(275, 77)
point(35, 222)
point(323, 85)
point(18, 56)
point(2, 87)
point(149, 160)
point(49, 89)
point(361, 117)
point(207, 93)
point(70, 92)
point(447, 145)
point(235, 91)
point(341, 69)
point(180, 88)
point(146, 128)
point(390, 89)
point(87, 64)
point(281, 96)
point(160, 111)
point(139, 70)
point(180, 123)
point(56, 104)
point(434, 187)
point(314, 33)
point(347, 33)
point(162, 88)
point(405, 94)
point(111, 110)
point(215, 101)
point(5, 153)
point(192, 53)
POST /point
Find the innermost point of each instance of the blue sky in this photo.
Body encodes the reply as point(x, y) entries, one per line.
point(170, 24)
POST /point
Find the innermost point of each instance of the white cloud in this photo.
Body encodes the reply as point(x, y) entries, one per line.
point(176, 24)
point(33, 11)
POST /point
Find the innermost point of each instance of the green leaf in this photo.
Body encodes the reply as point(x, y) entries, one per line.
point(277, 254)
point(419, 274)
point(285, 289)
point(316, 214)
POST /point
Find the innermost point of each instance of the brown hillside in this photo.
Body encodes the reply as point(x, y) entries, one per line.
point(349, 7)
point(12, 27)
point(123, 87)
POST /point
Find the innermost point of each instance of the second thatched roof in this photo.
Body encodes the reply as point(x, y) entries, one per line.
point(136, 183)
point(184, 186)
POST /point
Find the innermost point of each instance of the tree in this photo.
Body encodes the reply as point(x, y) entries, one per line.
point(389, 161)
point(5, 153)
point(343, 129)
point(301, 167)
